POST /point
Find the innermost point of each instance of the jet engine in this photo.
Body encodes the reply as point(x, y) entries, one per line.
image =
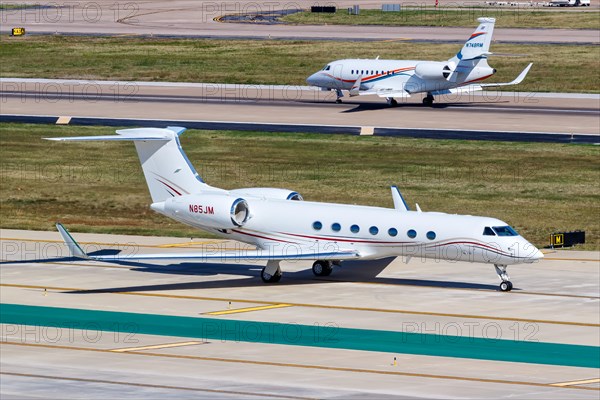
point(432, 70)
point(219, 211)
point(268, 193)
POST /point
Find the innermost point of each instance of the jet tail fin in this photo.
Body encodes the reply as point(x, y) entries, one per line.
point(167, 169)
point(478, 44)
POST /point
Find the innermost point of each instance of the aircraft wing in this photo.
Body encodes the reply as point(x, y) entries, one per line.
point(482, 86)
point(248, 255)
point(385, 92)
point(516, 81)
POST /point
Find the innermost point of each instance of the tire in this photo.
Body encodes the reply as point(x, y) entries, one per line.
point(322, 268)
point(270, 279)
point(505, 286)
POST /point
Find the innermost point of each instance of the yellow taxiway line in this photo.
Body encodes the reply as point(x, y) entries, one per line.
point(156, 346)
point(303, 366)
point(321, 306)
point(572, 383)
point(247, 309)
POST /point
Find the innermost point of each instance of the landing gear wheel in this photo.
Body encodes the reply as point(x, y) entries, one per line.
point(322, 268)
point(268, 278)
point(428, 100)
point(392, 102)
point(338, 101)
point(506, 286)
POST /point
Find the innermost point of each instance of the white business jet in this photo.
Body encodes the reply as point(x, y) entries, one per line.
point(397, 79)
point(284, 227)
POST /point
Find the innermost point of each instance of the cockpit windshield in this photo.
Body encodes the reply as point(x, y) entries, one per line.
point(505, 231)
point(326, 68)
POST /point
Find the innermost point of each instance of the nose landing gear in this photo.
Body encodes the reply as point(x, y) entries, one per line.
point(339, 94)
point(505, 284)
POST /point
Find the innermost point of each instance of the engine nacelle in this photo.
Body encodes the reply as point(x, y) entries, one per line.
point(432, 70)
point(219, 211)
point(268, 193)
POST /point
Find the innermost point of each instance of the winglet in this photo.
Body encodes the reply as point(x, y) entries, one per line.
point(355, 90)
point(72, 245)
point(399, 202)
point(516, 81)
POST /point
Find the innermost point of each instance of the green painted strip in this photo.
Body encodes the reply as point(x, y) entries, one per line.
point(304, 335)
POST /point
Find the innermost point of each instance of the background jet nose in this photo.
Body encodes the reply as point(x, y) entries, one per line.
point(313, 79)
point(538, 255)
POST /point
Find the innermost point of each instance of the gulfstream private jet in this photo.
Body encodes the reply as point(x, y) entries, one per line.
point(399, 79)
point(284, 227)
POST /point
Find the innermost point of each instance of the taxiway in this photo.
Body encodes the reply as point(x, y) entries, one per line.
point(555, 303)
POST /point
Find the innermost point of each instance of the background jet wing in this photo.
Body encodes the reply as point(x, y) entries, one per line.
point(290, 252)
point(386, 92)
point(516, 81)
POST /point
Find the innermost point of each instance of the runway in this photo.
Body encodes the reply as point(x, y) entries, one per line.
point(91, 325)
point(567, 118)
point(196, 19)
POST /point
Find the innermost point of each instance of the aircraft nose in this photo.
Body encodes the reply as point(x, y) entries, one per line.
point(313, 80)
point(538, 255)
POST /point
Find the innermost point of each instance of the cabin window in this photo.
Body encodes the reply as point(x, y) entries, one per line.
point(373, 230)
point(392, 232)
point(505, 231)
point(354, 229)
point(352, 72)
point(411, 233)
point(430, 235)
point(317, 225)
point(336, 227)
point(487, 231)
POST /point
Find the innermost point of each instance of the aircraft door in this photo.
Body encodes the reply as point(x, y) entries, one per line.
point(337, 73)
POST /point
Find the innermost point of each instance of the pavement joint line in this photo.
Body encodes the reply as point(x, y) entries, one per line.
point(149, 385)
point(332, 307)
point(515, 292)
point(582, 382)
point(157, 346)
point(247, 309)
point(304, 366)
point(571, 259)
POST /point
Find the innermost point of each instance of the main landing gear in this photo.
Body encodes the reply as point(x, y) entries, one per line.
point(271, 273)
point(428, 100)
point(392, 101)
point(505, 285)
point(322, 268)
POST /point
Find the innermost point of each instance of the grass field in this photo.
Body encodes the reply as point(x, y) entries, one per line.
point(467, 17)
point(99, 187)
point(556, 68)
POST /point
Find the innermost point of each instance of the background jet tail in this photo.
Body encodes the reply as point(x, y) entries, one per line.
point(478, 45)
point(167, 169)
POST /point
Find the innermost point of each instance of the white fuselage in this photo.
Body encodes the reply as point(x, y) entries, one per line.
point(293, 226)
point(343, 74)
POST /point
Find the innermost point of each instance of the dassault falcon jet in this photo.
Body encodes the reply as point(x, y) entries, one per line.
point(284, 227)
point(397, 79)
